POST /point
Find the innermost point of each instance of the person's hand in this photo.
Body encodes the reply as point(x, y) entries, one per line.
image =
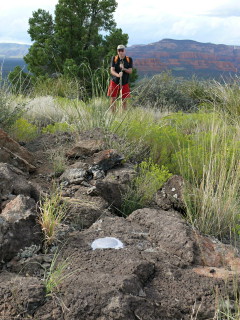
point(120, 74)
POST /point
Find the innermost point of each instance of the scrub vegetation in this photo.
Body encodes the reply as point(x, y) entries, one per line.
point(194, 133)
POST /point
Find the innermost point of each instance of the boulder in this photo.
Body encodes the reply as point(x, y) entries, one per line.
point(84, 210)
point(18, 227)
point(74, 176)
point(14, 182)
point(85, 148)
point(168, 230)
point(170, 196)
point(106, 159)
point(12, 153)
point(9, 157)
point(115, 184)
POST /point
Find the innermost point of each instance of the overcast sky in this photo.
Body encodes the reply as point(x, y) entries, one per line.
point(145, 21)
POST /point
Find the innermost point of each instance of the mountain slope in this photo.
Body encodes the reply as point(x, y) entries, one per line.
point(13, 50)
point(185, 58)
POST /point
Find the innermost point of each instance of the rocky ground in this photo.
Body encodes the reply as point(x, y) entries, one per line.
point(166, 270)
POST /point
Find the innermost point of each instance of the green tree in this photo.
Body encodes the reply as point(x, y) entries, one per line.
point(75, 33)
point(73, 42)
point(41, 58)
point(111, 41)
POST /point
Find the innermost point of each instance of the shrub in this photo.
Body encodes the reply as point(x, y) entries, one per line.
point(52, 212)
point(22, 130)
point(58, 161)
point(58, 87)
point(164, 92)
point(10, 108)
point(226, 98)
point(58, 127)
point(20, 80)
point(149, 179)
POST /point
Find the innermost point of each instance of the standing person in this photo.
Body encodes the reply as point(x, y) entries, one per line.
point(121, 67)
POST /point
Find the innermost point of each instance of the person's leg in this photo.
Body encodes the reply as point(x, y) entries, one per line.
point(125, 96)
point(113, 91)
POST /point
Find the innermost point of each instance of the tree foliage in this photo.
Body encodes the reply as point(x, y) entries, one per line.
point(74, 37)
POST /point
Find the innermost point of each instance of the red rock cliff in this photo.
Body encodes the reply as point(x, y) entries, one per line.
point(185, 55)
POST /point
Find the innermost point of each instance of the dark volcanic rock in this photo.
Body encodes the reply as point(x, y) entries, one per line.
point(11, 152)
point(151, 278)
point(169, 197)
point(19, 296)
point(85, 148)
point(18, 227)
point(13, 181)
point(115, 184)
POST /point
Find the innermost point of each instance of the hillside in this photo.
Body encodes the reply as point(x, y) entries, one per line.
point(13, 50)
point(185, 58)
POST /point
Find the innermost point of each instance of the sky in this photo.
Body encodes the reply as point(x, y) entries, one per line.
point(145, 21)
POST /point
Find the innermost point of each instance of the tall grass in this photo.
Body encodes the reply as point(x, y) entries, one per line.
point(56, 274)
point(212, 195)
point(52, 212)
point(11, 106)
point(228, 301)
point(205, 150)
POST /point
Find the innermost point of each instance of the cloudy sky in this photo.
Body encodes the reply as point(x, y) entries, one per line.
point(145, 21)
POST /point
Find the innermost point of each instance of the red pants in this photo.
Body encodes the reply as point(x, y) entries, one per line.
point(114, 90)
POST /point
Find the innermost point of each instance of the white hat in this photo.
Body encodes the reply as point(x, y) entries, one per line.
point(120, 46)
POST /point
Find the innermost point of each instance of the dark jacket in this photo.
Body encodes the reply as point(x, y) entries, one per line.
point(127, 65)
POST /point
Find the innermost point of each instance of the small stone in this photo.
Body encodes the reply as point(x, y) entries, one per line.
point(92, 191)
point(142, 293)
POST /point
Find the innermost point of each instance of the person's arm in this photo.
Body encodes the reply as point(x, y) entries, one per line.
point(129, 70)
point(114, 73)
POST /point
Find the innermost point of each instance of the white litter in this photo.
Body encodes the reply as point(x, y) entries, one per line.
point(106, 243)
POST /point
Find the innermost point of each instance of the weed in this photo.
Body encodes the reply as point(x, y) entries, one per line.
point(55, 275)
point(211, 168)
point(22, 130)
point(58, 127)
point(149, 179)
point(58, 161)
point(228, 303)
point(52, 212)
point(10, 108)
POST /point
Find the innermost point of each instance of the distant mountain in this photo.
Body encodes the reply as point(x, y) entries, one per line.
point(13, 50)
point(186, 58)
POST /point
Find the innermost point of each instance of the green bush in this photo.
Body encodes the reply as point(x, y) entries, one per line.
point(164, 92)
point(58, 87)
point(58, 127)
point(9, 111)
point(22, 130)
point(149, 179)
point(225, 98)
